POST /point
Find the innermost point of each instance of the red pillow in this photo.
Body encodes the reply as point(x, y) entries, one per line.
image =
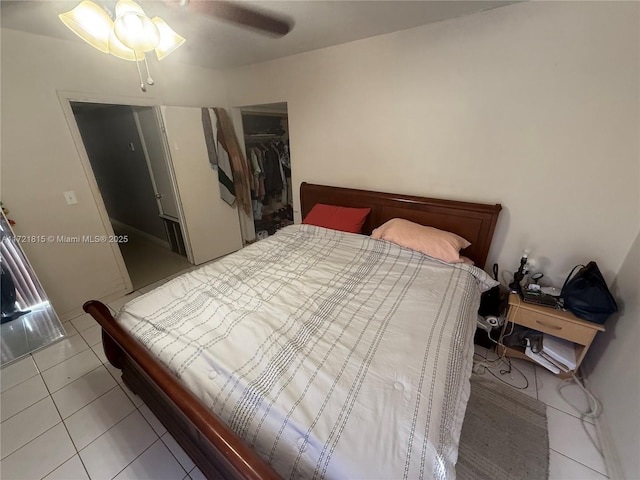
point(345, 219)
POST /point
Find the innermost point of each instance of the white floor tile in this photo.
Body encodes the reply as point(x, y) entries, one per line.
point(99, 351)
point(115, 373)
point(548, 393)
point(70, 370)
point(115, 449)
point(529, 370)
point(17, 372)
point(27, 425)
point(69, 328)
point(137, 401)
point(90, 422)
point(153, 420)
point(567, 436)
point(196, 474)
point(72, 469)
point(156, 463)
point(59, 352)
point(22, 396)
point(481, 352)
point(39, 457)
point(564, 468)
point(83, 391)
point(83, 322)
point(178, 452)
point(92, 335)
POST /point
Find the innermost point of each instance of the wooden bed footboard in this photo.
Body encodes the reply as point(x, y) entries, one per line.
point(213, 447)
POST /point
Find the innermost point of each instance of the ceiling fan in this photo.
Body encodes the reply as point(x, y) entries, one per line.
point(239, 14)
point(128, 33)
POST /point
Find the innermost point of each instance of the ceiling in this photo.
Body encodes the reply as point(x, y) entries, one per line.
point(213, 43)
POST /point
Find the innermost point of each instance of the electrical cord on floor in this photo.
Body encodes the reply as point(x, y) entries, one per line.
point(497, 342)
point(502, 372)
point(480, 367)
point(595, 407)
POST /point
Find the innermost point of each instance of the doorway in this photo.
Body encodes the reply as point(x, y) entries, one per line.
point(266, 138)
point(124, 145)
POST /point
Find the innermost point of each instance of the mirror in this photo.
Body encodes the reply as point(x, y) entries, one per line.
point(28, 319)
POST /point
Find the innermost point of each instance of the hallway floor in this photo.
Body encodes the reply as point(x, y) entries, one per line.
point(148, 262)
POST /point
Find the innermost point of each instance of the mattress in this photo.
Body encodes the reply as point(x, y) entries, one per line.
point(333, 355)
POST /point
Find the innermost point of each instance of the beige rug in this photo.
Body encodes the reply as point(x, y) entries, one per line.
point(504, 435)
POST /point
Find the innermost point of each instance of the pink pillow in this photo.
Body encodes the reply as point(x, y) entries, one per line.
point(345, 219)
point(467, 260)
point(436, 243)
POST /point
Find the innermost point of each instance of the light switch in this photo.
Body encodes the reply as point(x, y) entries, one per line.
point(70, 197)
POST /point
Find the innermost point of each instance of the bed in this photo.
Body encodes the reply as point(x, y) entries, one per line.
point(314, 353)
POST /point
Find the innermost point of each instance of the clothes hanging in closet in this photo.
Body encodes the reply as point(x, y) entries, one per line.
point(270, 169)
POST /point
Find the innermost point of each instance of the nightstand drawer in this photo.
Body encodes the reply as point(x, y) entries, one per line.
point(552, 325)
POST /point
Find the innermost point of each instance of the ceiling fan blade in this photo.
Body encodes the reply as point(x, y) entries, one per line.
point(237, 13)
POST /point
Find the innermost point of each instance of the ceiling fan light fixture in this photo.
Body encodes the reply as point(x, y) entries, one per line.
point(118, 49)
point(127, 37)
point(128, 6)
point(136, 32)
point(90, 23)
point(169, 40)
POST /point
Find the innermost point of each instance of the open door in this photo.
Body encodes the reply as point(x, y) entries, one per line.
point(211, 226)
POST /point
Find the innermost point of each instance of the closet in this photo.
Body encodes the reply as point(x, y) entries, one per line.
point(266, 137)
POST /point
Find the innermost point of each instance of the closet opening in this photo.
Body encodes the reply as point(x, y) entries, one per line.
point(126, 152)
point(266, 138)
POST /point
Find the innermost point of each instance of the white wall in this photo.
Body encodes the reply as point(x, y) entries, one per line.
point(533, 105)
point(614, 361)
point(40, 160)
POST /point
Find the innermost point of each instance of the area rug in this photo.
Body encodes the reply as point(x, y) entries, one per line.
point(504, 435)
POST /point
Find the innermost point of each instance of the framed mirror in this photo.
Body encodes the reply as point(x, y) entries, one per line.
point(28, 319)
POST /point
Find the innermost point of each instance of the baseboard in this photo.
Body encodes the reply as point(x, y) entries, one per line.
point(129, 230)
point(611, 460)
point(76, 312)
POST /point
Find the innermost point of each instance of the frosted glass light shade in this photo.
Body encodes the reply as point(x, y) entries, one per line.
point(128, 6)
point(118, 49)
point(90, 23)
point(136, 32)
point(169, 40)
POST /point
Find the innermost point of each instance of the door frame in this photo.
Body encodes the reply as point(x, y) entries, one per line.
point(65, 98)
point(157, 110)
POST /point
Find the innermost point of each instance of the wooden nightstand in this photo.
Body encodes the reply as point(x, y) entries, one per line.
point(560, 323)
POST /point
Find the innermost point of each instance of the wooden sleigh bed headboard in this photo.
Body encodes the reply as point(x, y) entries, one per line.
point(475, 222)
point(215, 449)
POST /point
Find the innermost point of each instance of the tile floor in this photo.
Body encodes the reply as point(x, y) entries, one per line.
point(66, 415)
point(572, 455)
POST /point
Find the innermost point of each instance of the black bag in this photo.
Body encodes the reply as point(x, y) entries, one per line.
point(586, 294)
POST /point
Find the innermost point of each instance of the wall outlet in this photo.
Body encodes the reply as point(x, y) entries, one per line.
point(70, 197)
